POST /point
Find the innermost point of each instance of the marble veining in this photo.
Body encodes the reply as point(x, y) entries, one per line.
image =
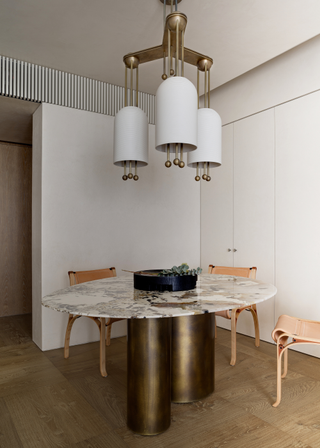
point(116, 297)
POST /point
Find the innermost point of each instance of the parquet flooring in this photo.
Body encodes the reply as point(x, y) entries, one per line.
point(47, 401)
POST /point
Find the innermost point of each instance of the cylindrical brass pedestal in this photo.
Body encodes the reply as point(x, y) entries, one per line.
point(149, 391)
point(192, 357)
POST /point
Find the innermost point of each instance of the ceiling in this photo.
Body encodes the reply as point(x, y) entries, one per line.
point(90, 38)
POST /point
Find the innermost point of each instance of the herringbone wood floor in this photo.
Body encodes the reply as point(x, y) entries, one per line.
point(46, 401)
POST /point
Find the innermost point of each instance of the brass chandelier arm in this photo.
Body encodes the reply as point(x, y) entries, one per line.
point(152, 54)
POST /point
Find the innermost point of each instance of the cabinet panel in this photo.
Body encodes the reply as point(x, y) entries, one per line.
point(297, 209)
point(254, 208)
point(217, 209)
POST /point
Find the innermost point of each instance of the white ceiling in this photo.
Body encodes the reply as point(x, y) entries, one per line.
point(90, 38)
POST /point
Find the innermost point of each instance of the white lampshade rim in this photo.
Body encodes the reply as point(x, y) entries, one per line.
point(140, 163)
point(187, 147)
point(201, 163)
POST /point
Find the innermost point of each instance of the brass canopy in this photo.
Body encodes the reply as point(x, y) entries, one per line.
point(128, 59)
point(168, 2)
point(174, 18)
point(203, 63)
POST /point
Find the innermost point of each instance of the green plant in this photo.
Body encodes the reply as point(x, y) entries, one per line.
point(176, 271)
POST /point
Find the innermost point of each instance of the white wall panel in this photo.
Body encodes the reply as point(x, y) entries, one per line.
point(290, 75)
point(217, 209)
point(217, 213)
point(91, 218)
point(297, 209)
point(254, 209)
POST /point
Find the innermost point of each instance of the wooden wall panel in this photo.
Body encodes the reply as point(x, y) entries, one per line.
point(15, 229)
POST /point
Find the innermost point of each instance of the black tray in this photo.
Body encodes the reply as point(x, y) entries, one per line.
point(147, 282)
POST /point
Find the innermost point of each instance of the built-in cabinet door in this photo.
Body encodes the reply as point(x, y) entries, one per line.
point(254, 208)
point(298, 210)
point(237, 209)
point(217, 209)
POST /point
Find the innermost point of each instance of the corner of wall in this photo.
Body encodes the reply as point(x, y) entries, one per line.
point(36, 226)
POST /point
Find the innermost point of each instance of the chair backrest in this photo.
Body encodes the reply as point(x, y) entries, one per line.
point(238, 272)
point(88, 276)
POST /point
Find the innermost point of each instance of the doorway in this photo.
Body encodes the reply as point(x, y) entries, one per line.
point(15, 229)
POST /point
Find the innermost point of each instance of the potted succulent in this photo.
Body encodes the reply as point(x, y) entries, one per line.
point(178, 278)
point(177, 271)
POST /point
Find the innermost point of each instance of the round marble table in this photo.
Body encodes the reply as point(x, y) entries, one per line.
point(167, 358)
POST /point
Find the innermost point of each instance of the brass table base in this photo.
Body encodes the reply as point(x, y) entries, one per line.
point(192, 374)
point(149, 391)
point(169, 359)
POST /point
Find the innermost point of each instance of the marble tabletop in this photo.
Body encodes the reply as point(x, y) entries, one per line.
point(116, 297)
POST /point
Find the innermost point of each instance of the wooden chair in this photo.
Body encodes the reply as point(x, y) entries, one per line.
point(235, 313)
point(300, 331)
point(87, 276)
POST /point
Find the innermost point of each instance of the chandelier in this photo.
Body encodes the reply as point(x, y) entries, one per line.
point(181, 126)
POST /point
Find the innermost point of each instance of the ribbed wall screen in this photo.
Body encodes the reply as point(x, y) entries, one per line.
point(33, 82)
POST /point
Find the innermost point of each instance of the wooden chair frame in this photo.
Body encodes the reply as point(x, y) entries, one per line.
point(105, 336)
point(235, 313)
point(281, 335)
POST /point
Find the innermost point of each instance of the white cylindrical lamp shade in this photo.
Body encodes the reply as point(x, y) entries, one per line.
point(209, 140)
point(130, 136)
point(176, 114)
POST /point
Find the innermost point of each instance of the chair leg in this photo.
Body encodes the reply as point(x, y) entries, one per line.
point(254, 313)
point(279, 358)
point(285, 364)
point(71, 320)
point(234, 318)
point(103, 369)
point(109, 323)
point(108, 338)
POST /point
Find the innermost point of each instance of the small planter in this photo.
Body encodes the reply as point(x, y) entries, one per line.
point(147, 281)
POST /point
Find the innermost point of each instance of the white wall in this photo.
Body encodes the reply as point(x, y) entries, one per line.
point(288, 87)
point(297, 209)
point(88, 217)
point(290, 75)
point(36, 226)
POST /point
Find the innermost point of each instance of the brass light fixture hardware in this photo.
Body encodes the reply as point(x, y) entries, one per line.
point(177, 100)
point(197, 178)
point(125, 177)
point(208, 152)
point(154, 53)
point(168, 163)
